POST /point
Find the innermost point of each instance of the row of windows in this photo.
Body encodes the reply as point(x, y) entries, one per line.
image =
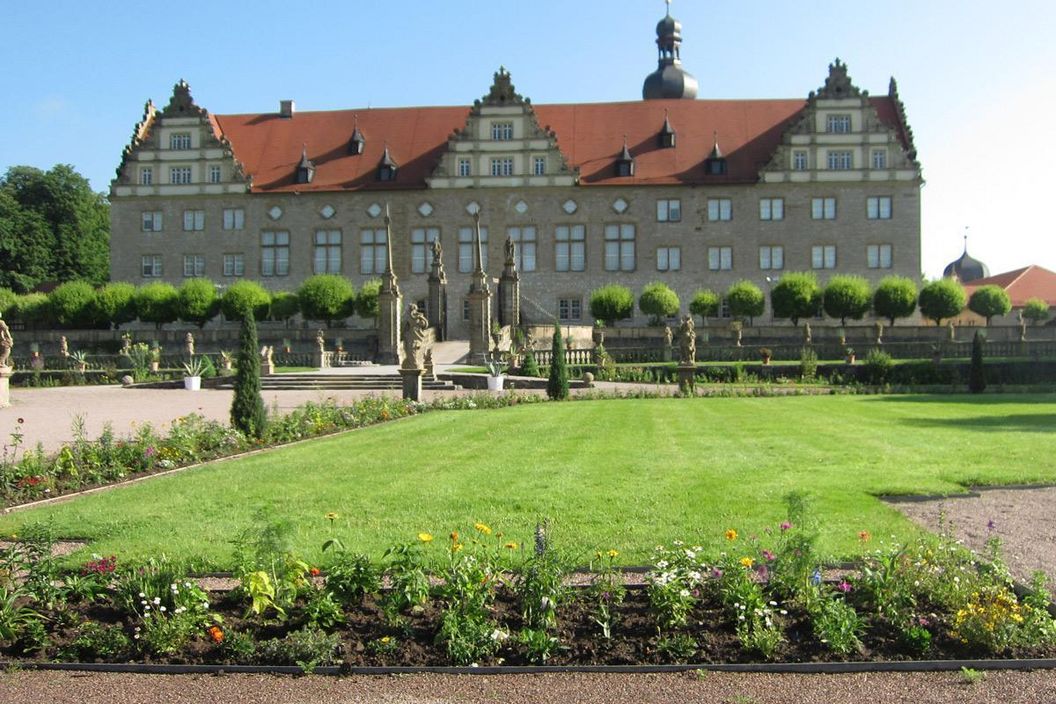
point(502, 166)
point(180, 175)
point(838, 159)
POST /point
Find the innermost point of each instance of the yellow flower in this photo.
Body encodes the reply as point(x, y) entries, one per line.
point(510, 546)
point(747, 562)
point(386, 639)
point(457, 547)
point(425, 537)
point(731, 534)
point(331, 516)
point(613, 553)
point(482, 528)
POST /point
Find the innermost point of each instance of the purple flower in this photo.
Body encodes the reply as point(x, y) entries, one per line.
point(844, 586)
point(762, 571)
point(150, 452)
point(815, 577)
point(716, 573)
point(768, 556)
point(785, 526)
point(990, 524)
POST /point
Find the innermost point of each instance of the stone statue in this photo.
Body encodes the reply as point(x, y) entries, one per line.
point(269, 354)
point(6, 343)
point(64, 347)
point(668, 336)
point(687, 342)
point(438, 251)
point(188, 345)
point(511, 251)
point(320, 340)
point(414, 327)
point(126, 344)
point(879, 332)
point(808, 335)
point(952, 331)
point(1022, 328)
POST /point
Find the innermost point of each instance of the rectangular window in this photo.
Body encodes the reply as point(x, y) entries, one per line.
point(841, 160)
point(465, 249)
point(422, 239)
point(799, 160)
point(771, 208)
point(465, 310)
point(539, 166)
point(878, 256)
point(214, 173)
point(274, 253)
point(879, 158)
point(523, 246)
point(619, 247)
point(720, 258)
point(669, 210)
point(569, 309)
point(823, 208)
point(234, 265)
point(464, 167)
point(771, 258)
point(180, 175)
point(823, 256)
point(570, 248)
point(193, 265)
point(720, 209)
point(180, 140)
point(151, 266)
point(668, 258)
point(724, 308)
point(502, 131)
point(838, 124)
point(502, 166)
point(152, 221)
point(193, 220)
point(146, 175)
point(878, 208)
point(234, 218)
point(372, 255)
point(327, 252)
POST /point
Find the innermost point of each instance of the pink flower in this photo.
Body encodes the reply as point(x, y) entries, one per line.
point(785, 526)
point(844, 586)
point(768, 556)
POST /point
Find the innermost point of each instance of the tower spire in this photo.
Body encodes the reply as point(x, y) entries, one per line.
point(669, 80)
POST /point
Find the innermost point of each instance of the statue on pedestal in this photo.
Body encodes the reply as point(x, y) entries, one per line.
point(687, 342)
point(64, 347)
point(188, 345)
point(320, 340)
point(126, 344)
point(415, 326)
point(6, 343)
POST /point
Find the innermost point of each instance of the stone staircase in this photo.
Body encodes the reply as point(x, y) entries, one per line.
point(342, 382)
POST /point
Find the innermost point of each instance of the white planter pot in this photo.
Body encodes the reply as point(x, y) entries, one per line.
point(495, 383)
point(192, 383)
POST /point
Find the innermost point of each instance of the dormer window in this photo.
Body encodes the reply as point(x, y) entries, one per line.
point(502, 131)
point(715, 164)
point(358, 142)
point(305, 169)
point(180, 140)
point(387, 168)
point(625, 162)
point(838, 124)
point(666, 138)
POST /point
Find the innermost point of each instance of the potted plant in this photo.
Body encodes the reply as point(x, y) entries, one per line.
point(192, 380)
point(850, 355)
point(79, 360)
point(767, 354)
point(155, 358)
point(495, 375)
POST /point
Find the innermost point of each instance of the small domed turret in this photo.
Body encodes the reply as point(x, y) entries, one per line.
point(966, 268)
point(669, 80)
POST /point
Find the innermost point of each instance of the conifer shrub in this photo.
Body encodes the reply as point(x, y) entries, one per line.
point(977, 371)
point(247, 408)
point(557, 384)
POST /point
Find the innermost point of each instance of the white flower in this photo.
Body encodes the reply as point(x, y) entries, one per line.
point(142, 595)
point(163, 609)
point(661, 565)
point(499, 635)
point(157, 600)
point(773, 603)
point(146, 608)
point(684, 593)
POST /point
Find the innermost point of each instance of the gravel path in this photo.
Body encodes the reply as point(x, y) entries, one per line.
point(717, 687)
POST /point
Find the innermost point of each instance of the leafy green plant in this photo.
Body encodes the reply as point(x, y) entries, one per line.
point(96, 641)
point(989, 301)
point(846, 297)
point(606, 591)
point(408, 582)
point(247, 408)
point(557, 384)
point(327, 297)
point(972, 676)
point(197, 302)
point(796, 295)
point(941, 299)
point(538, 584)
point(808, 364)
point(1035, 310)
point(659, 301)
point(611, 303)
point(705, 303)
point(539, 644)
point(677, 647)
point(877, 367)
point(15, 615)
point(307, 648)
point(351, 576)
point(674, 584)
point(745, 300)
point(322, 611)
point(895, 297)
point(194, 367)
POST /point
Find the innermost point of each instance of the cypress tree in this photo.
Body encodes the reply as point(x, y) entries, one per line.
point(247, 408)
point(557, 384)
point(977, 374)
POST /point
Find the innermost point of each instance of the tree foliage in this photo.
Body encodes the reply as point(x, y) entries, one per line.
point(326, 297)
point(977, 371)
point(557, 383)
point(244, 297)
point(156, 303)
point(705, 303)
point(989, 301)
point(895, 297)
point(611, 303)
point(284, 305)
point(32, 309)
point(197, 302)
point(795, 296)
point(944, 298)
point(846, 297)
point(73, 304)
point(1036, 310)
point(367, 300)
point(7, 300)
point(659, 301)
point(745, 300)
point(116, 303)
point(247, 407)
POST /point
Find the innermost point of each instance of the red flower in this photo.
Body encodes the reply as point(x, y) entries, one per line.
point(314, 571)
point(216, 634)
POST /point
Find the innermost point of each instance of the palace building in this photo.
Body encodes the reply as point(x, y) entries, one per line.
point(692, 192)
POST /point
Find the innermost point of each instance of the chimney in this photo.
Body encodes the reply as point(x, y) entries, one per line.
point(286, 108)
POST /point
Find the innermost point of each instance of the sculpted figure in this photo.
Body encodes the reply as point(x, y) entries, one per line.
point(687, 341)
point(126, 344)
point(64, 347)
point(6, 343)
point(414, 328)
point(320, 340)
point(808, 335)
point(188, 344)
point(510, 251)
point(668, 336)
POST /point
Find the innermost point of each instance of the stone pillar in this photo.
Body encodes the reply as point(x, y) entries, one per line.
point(510, 289)
point(5, 386)
point(412, 383)
point(389, 303)
point(686, 377)
point(436, 307)
point(479, 302)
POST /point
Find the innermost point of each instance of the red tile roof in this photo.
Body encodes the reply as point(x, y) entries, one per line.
point(1022, 284)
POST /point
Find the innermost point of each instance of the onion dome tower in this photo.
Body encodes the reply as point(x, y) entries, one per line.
point(669, 80)
point(966, 268)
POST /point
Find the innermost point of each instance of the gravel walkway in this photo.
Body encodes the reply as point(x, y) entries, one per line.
point(717, 687)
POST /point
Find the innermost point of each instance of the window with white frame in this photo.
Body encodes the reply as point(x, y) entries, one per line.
point(234, 218)
point(668, 258)
point(720, 258)
point(422, 239)
point(570, 248)
point(539, 166)
point(800, 160)
point(465, 167)
point(838, 124)
point(502, 166)
point(193, 265)
point(215, 173)
point(823, 208)
point(327, 258)
point(146, 175)
point(151, 266)
point(724, 308)
point(823, 256)
point(841, 160)
point(523, 246)
point(771, 208)
point(720, 209)
point(234, 265)
point(193, 220)
point(619, 247)
point(502, 131)
point(771, 258)
point(669, 210)
point(152, 221)
point(878, 256)
point(179, 175)
point(275, 253)
point(180, 140)
point(878, 207)
point(465, 249)
point(879, 158)
point(372, 255)
point(569, 309)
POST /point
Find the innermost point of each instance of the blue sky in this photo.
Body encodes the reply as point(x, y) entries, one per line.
point(978, 78)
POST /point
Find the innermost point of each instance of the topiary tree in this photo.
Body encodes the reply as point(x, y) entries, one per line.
point(795, 296)
point(7, 300)
point(846, 297)
point(658, 301)
point(557, 383)
point(116, 303)
point(895, 297)
point(244, 297)
point(156, 303)
point(988, 301)
point(367, 300)
point(1035, 310)
point(247, 408)
point(705, 303)
point(284, 305)
point(73, 305)
point(977, 372)
point(32, 309)
point(940, 299)
point(745, 300)
point(197, 302)
point(529, 366)
point(326, 297)
point(611, 303)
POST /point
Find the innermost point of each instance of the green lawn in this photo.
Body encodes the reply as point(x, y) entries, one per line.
point(627, 474)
